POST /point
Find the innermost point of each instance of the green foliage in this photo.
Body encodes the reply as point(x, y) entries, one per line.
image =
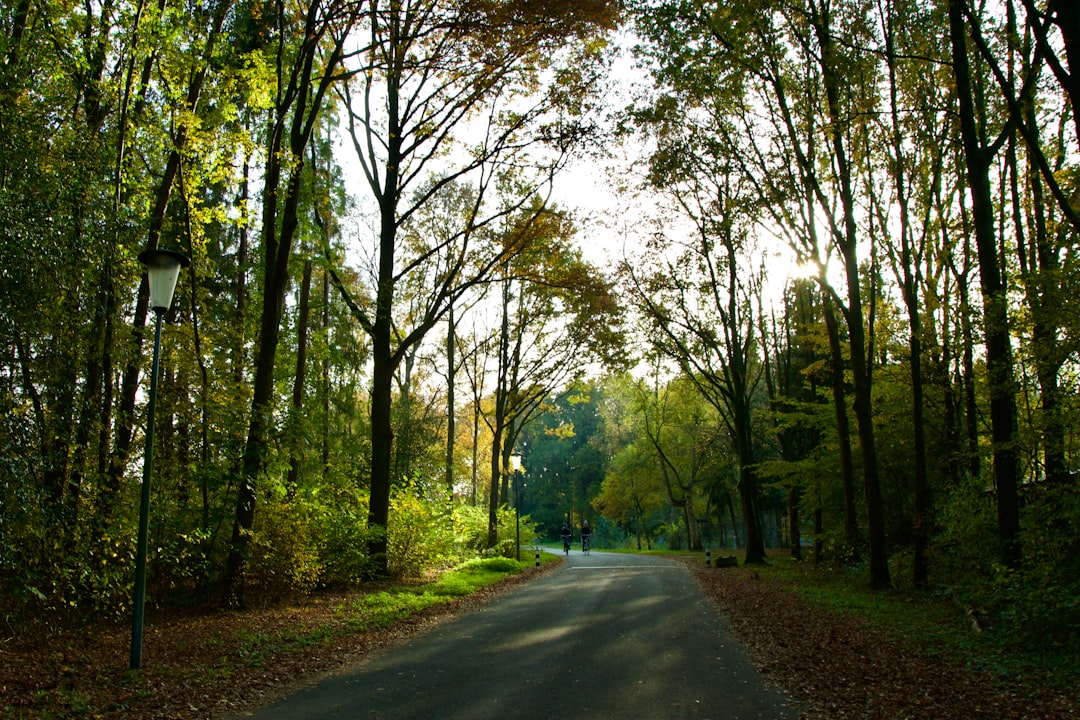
point(283, 552)
point(1042, 599)
point(507, 537)
point(420, 535)
point(1021, 607)
point(470, 530)
point(343, 540)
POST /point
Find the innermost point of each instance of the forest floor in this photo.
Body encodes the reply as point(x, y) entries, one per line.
point(842, 665)
point(217, 664)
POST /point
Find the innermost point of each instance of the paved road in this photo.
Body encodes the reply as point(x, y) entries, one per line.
point(605, 636)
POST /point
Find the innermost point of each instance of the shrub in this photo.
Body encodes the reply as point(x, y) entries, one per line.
point(283, 556)
point(343, 539)
point(421, 536)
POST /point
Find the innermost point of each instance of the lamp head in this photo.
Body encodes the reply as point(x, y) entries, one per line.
point(162, 270)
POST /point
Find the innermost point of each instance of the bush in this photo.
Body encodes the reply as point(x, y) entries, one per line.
point(421, 536)
point(283, 554)
point(471, 533)
point(343, 540)
point(1024, 606)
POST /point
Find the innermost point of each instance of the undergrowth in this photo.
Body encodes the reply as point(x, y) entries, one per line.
point(932, 621)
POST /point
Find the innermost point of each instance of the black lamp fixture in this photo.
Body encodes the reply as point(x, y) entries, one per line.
point(162, 271)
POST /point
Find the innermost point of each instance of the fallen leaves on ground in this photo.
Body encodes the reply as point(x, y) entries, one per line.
point(201, 666)
point(839, 667)
point(210, 665)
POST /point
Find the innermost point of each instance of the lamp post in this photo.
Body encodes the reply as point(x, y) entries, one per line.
point(162, 271)
point(515, 467)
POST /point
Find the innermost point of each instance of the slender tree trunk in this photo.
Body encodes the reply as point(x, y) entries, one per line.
point(1040, 271)
point(502, 390)
point(325, 465)
point(967, 380)
point(451, 411)
point(288, 138)
point(303, 315)
point(1003, 412)
point(910, 290)
point(275, 282)
point(734, 526)
point(795, 536)
point(843, 434)
point(475, 446)
point(860, 361)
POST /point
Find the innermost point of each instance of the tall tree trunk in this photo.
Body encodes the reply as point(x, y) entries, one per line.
point(1003, 412)
point(288, 136)
point(794, 534)
point(1040, 268)
point(847, 242)
point(383, 364)
point(502, 389)
point(920, 530)
point(967, 378)
point(303, 316)
point(843, 433)
point(325, 465)
point(451, 400)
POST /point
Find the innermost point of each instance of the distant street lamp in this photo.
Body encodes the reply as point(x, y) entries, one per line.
point(515, 467)
point(162, 271)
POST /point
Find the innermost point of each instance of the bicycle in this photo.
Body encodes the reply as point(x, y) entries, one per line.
point(586, 543)
point(566, 544)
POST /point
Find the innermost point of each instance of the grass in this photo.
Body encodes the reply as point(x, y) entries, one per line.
point(384, 608)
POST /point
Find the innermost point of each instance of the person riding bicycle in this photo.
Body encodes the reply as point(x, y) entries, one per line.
point(586, 535)
point(566, 536)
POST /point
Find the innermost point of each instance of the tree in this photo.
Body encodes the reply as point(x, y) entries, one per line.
point(686, 435)
point(700, 306)
point(304, 77)
point(753, 83)
point(789, 356)
point(977, 156)
point(632, 488)
point(558, 315)
point(427, 71)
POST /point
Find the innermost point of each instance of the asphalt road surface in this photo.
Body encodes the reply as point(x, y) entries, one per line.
point(604, 636)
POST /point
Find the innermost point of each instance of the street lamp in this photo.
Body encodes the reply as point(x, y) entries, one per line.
point(515, 467)
point(162, 271)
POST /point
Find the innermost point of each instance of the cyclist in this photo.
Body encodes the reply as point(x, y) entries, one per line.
point(586, 536)
point(566, 537)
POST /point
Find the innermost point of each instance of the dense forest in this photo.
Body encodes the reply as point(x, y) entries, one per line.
point(839, 327)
